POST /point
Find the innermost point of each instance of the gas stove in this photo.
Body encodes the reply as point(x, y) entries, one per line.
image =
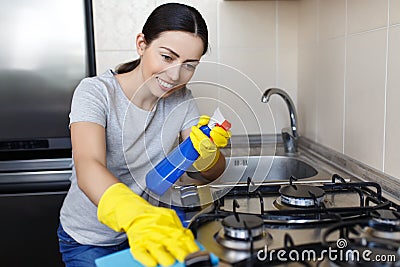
point(331, 223)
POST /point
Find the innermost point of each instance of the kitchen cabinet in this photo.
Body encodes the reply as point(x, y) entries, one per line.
point(29, 224)
point(31, 195)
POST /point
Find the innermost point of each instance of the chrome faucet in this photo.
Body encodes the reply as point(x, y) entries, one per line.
point(289, 135)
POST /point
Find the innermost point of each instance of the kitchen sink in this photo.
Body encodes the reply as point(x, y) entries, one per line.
point(263, 169)
point(272, 170)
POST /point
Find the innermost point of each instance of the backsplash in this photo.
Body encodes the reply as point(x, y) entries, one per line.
point(336, 59)
point(348, 89)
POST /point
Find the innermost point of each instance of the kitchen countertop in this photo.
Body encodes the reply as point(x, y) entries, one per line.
point(352, 168)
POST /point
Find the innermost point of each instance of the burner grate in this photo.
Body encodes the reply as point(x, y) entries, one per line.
point(357, 209)
point(301, 195)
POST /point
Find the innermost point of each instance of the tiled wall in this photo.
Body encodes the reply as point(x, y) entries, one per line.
point(336, 58)
point(349, 82)
point(253, 47)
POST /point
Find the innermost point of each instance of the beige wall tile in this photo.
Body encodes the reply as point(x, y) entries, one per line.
point(330, 93)
point(219, 85)
point(246, 112)
point(255, 52)
point(392, 155)
point(308, 21)
point(332, 18)
point(364, 15)
point(394, 12)
point(202, 85)
point(365, 97)
point(117, 23)
point(258, 64)
point(286, 50)
point(307, 67)
point(245, 70)
point(307, 92)
point(246, 24)
point(206, 96)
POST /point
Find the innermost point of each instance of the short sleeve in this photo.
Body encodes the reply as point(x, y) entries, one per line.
point(89, 103)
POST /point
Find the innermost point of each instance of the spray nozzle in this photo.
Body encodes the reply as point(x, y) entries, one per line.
point(218, 119)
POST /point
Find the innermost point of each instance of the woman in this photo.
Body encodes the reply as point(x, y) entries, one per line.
point(115, 123)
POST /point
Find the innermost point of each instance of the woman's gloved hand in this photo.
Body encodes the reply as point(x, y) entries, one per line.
point(155, 234)
point(206, 146)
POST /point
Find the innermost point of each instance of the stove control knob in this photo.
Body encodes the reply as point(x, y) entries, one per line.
point(198, 259)
point(189, 196)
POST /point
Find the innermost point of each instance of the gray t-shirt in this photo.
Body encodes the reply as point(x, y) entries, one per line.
point(136, 140)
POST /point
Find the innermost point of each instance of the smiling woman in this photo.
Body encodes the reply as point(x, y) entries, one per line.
point(113, 117)
point(167, 64)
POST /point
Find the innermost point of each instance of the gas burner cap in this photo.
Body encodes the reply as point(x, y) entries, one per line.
point(243, 245)
point(238, 226)
point(301, 195)
point(386, 217)
point(383, 234)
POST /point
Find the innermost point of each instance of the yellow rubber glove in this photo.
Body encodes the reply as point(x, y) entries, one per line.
point(155, 234)
point(206, 146)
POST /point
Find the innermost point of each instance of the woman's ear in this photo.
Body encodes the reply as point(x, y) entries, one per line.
point(140, 43)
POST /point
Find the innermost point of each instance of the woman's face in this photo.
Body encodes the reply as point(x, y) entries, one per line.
point(169, 62)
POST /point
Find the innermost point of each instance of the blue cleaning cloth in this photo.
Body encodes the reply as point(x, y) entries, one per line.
point(124, 259)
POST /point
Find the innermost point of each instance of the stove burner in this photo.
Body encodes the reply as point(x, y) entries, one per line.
point(389, 235)
point(243, 232)
point(384, 224)
point(301, 195)
point(386, 217)
point(278, 204)
point(243, 226)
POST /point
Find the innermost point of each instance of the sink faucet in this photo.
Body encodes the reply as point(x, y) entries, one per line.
point(289, 135)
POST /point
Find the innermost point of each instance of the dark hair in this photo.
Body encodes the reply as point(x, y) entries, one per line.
point(170, 17)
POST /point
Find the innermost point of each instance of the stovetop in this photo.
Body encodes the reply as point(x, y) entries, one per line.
point(335, 223)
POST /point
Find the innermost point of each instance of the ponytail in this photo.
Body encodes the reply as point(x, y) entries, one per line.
point(128, 66)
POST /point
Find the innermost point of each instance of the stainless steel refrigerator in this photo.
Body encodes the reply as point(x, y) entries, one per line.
point(46, 49)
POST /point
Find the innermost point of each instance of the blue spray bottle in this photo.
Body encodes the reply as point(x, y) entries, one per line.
point(167, 172)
